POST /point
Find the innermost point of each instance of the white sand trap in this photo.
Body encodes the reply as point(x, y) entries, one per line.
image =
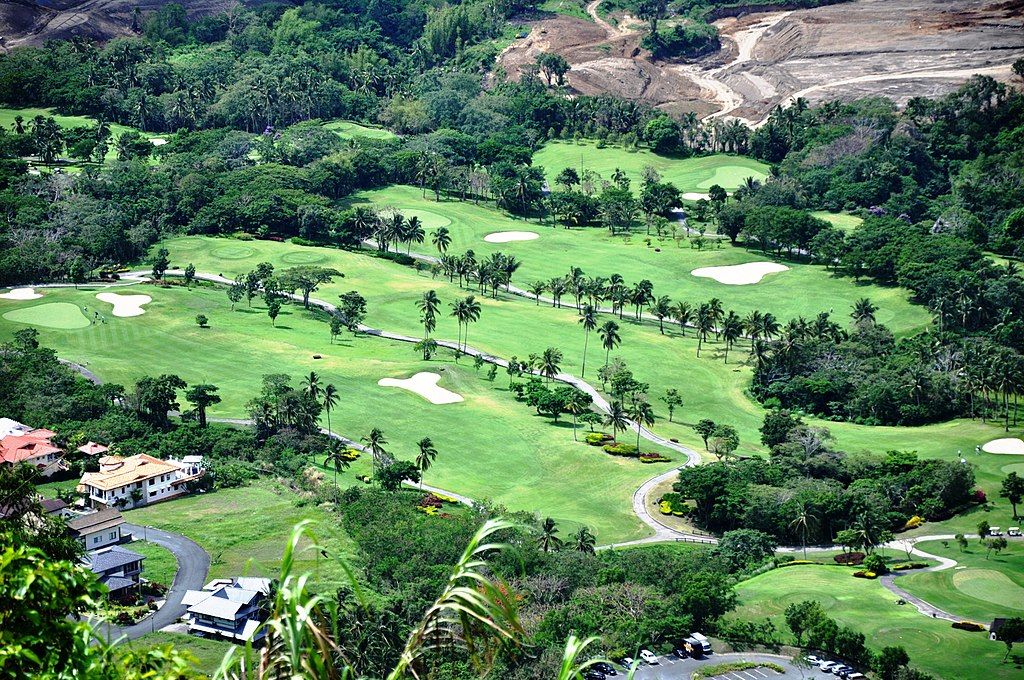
point(692, 196)
point(425, 385)
point(21, 294)
point(507, 236)
point(1010, 446)
point(125, 305)
point(157, 141)
point(740, 274)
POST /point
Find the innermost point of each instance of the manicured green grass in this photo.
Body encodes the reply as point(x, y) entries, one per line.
point(690, 175)
point(804, 290)
point(207, 654)
point(991, 585)
point(347, 129)
point(934, 646)
point(49, 315)
point(245, 531)
point(515, 326)
point(51, 489)
point(490, 445)
point(839, 220)
point(7, 116)
point(160, 565)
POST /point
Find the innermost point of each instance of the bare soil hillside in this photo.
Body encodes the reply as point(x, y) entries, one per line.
point(897, 48)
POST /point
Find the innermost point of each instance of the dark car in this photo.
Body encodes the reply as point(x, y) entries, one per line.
point(605, 668)
point(593, 674)
point(680, 653)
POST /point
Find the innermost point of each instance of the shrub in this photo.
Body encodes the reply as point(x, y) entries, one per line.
point(913, 523)
point(791, 562)
point(299, 241)
point(654, 458)
point(865, 574)
point(849, 558)
point(968, 625)
point(597, 438)
point(621, 449)
point(875, 563)
point(665, 508)
point(242, 236)
point(350, 454)
point(980, 497)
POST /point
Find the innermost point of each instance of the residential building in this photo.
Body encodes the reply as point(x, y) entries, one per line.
point(137, 480)
point(119, 569)
point(93, 449)
point(56, 507)
point(228, 608)
point(22, 444)
point(97, 529)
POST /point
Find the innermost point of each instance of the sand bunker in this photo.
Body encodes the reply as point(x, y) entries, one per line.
point(693, 196)
point(507, 236)
point(740, 274)
point(157, 141)
point(21, 294)
point(425, 385)
point(125, 305)
point(1010, 446)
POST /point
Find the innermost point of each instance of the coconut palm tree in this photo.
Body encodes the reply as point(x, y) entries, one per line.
point(863, 311)
point(584, 541)
point(643, 415)
point(610, 339)
point(616, 418)
point(537, 289)
point(550, 360)
point(717, 314)
point(575, 405)
point(413, 233)
point(770, 326)
point(704, 323)
point(311, 385)
point(375, 442)
point(425, 457)
point(803, 520)
point(336, 458)
point(329, 401)
point(661, 308)
point(732, 330)
point(682, 314)
point(548, 539)
point(442, 239)
point(428, 304)
point(472, 315)
point(588, 318)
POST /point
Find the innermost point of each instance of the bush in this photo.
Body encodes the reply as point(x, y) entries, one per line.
point(913, 523)
point(968, 625)
point(865, 574)
point(875, 563)
point(299, 241)
point(665, 508)
point(654, 458)
point(621, 449)
point(849, 558)
point(791, 562)
point(597, 438)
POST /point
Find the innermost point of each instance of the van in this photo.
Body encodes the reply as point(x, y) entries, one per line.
point(693, 647)
point(705, 644)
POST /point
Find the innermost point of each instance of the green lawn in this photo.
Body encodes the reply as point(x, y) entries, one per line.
point(245, 531)
point(50, 315)
point(207, 654)
point(690, 175)
point(490, 446)
point(347, 129)
point(160, 565)
point(839, 220)
point(991, 585)
point(934, 646)
point(804, 290)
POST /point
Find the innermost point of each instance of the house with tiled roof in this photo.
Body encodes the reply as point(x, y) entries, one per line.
point(97, 529)
point(228, 608)
point(93, 449)
point(119, 569)
point(22, 444)
point(136, 481)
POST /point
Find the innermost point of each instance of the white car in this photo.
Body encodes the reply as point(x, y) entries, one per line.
point(827, 666)
point(813, 660)
point(627, 662)
point(648, 656)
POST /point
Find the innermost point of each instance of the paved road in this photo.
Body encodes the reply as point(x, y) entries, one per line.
point(193, 568)
point(669, 668)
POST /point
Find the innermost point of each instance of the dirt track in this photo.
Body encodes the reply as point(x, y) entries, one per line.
point(899, 48)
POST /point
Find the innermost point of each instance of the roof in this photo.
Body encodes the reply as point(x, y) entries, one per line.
point(16, 448)
point(115, 583)
point(112, 558)
point(9, 427)
point(95, 521)
point(223, 603)
point(52, 505)
point(93, 449)
point(128, 471)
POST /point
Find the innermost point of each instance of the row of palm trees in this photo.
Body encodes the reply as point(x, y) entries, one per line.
point(394, 228)
point(375, 442)
point(548, 540)
point(494, 272)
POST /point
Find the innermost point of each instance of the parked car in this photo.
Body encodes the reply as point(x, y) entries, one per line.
point(648, 656)
point(855, 676)
point(680, 653)
point(841, 668)
point(627, 661)
point(813, 660)
point(827, 666)
point(605, 668)
point(995, 531)
point(593, 674)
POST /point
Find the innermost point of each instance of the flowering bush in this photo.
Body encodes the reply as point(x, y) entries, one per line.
point(428, 510)
point(431, 501)
point(665, 507)
point(350, 454)
point(849, 558)
point(968, 625)
point(597, 438)
point(446, 499)
point(865, 574)
point(913, 523)
point(979, 496)
point(654, 458)
point(621, 449)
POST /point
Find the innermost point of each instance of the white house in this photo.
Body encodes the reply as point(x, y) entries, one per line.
point(228, 608)
point(137, 480)
point(97, 529)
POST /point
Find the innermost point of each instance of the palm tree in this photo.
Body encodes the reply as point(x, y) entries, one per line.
point(311, 385)
point(589, 320)
point(330, 400)
point(769, 326)
point(548, 539)
point(643, 415)
point(732, 330)
point(428, 305)
point(682, 313)
point(413, 232)
point(717, 313)
point(863, 311)
point(336, 459)
point(550, 360)
point(441, 240)
point(557, 287)
point(804, 518)
point(610, 339)
point(537, 289)
point(616, 418)
point(584, 541)
point(661, 308)
point(704, 323)
point(426, 456)
point(472, 315)
point(575, 405)
point(375, 442)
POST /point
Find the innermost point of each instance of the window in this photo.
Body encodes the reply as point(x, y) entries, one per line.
point(113, 535)
point(152, 493)
point(96, 539)
point(151, 482)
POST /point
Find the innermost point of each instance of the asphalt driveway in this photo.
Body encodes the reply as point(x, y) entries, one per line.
point(670, 668)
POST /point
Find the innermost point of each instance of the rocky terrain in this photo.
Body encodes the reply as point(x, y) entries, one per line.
point(897, 48)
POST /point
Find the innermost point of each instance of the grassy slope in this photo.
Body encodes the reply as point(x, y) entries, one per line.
point(866, 606)
point(347, 129)
point(490, 446)
point(599, 254)
point(841, 221)
point(207, 654)
point(160, 565)
point(689, 175)
point(989, 586)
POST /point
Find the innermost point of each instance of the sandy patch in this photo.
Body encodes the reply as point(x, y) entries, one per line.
point(507, 236)
point(425, 385)
point(1010, 446)
point(157, 141)
point(125, 305)
point(693, 196)
point(740, 274)
point(21, 294)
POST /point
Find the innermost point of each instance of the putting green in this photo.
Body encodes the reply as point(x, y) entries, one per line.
point(841, 221)
point(430, 220)
point(62, 315)
point(233, 252)
point(990, 586)
point(729, 176)
point(1014, 467)
point(301, 257)
point(189, 243)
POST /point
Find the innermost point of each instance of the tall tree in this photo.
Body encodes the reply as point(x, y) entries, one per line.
point(610, 339)
point(330, 399)
point(375, 442)
point(548, 539)
point(202, 396)
point(425, 457)
point(588, 318)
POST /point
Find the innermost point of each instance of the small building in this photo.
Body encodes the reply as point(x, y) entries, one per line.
point(228, 608)
point(93, 449)
point(55, 507)
point(119, 569)
point(97, 529)
point(32, 446)
point(136, 481)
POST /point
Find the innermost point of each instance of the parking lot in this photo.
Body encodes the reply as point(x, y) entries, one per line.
point(670, 668)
